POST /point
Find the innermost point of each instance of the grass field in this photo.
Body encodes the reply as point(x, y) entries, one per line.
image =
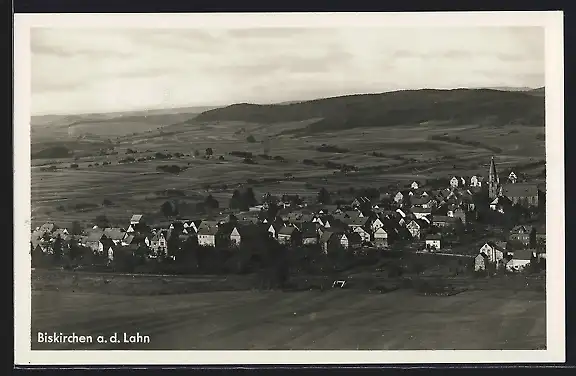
point(408, 154)
point(332, 320)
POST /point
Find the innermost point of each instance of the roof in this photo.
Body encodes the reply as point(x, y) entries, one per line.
point(326, 235)
point(521, 229)
point(287, 230)
point(523, 254)
point(520, 190)
point(421, 210)
point(95, 236)
point(48, 227)
point(114, 233)
point(136, 218)
point(354, 237)
point(208, 230)
point(433, 237)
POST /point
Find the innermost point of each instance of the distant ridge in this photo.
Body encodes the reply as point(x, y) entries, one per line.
point(458, 106)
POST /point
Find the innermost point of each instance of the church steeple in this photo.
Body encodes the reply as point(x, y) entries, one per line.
point(493, 180)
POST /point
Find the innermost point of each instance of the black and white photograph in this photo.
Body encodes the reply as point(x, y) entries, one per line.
point(362, 187)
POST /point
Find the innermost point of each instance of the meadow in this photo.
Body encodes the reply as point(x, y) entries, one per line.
point(406, 152)
point(477, 319)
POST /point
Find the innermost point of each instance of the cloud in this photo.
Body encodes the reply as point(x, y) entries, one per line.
point(114, 69)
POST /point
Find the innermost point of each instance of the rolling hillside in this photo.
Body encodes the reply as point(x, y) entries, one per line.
point(458, 106)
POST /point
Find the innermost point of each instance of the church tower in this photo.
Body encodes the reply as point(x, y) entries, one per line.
point(493, 181)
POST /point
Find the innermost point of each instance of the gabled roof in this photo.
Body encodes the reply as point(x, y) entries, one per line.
point(360, 221)
point(287, 230)
point(212, 230)
point(95, 236)
point(326, 235)
point(521, 229)
point(136, 218)
point(114, 233)
point(523, 254)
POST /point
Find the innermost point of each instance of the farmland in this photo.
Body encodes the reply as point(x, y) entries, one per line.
point(491, 317)
point(406, 152)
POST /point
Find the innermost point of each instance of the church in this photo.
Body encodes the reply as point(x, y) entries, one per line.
point(524, 194)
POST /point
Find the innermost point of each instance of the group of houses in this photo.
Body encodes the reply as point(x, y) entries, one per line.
point(416, 213)
point(498, 255)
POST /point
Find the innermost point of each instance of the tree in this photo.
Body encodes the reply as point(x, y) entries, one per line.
point(173, 244)
point(249, 198)
point(251, 139)
point(169, 209)
point(37, 255)
point(57, 248)
point(76, 228)
point(209, 151)
point(272, 211)
point(237, 201)
point(102, 221)
point(211, 202)
point(323, 196)
point(196, 153)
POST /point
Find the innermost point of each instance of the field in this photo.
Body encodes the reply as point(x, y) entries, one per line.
point(407, 152)
point(477, 319)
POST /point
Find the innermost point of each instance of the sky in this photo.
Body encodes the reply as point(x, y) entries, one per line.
point(108, 70)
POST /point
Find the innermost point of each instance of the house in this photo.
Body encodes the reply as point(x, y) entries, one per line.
point(137, 219)
point(329, 241)
point(500, 204)
point(459, 214)
point(481, 262)
point(133, 239)
point(357, 222)
point(429, 202)
point(381, 238)
point(520, 260)
point(476, 181)
point(524, 194)
point(524, 234)
point(289, 235)
point(115, 234)
point(309, 236)
point(417, 184)
point(97, 242)
point(442, 221)
point(207, 236)
point(493, 252)
point(235, 237)
point(159, 243)
point(399, 197)
point(454, 182)
point(350, 240)
point(512, 178)
point(433, 242)
point(416, 228)
point(364, 235)
point(376, 224)
point(360, 202)
point(541, 236)
point(419, 213)
point(273, 229)
point(48, 228)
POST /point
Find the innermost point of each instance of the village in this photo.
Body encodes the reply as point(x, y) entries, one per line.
point(497, 222)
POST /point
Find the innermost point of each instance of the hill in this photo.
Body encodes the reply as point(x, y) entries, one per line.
point(458, 106)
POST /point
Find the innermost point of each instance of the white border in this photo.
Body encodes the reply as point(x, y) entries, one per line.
point(551, 21)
